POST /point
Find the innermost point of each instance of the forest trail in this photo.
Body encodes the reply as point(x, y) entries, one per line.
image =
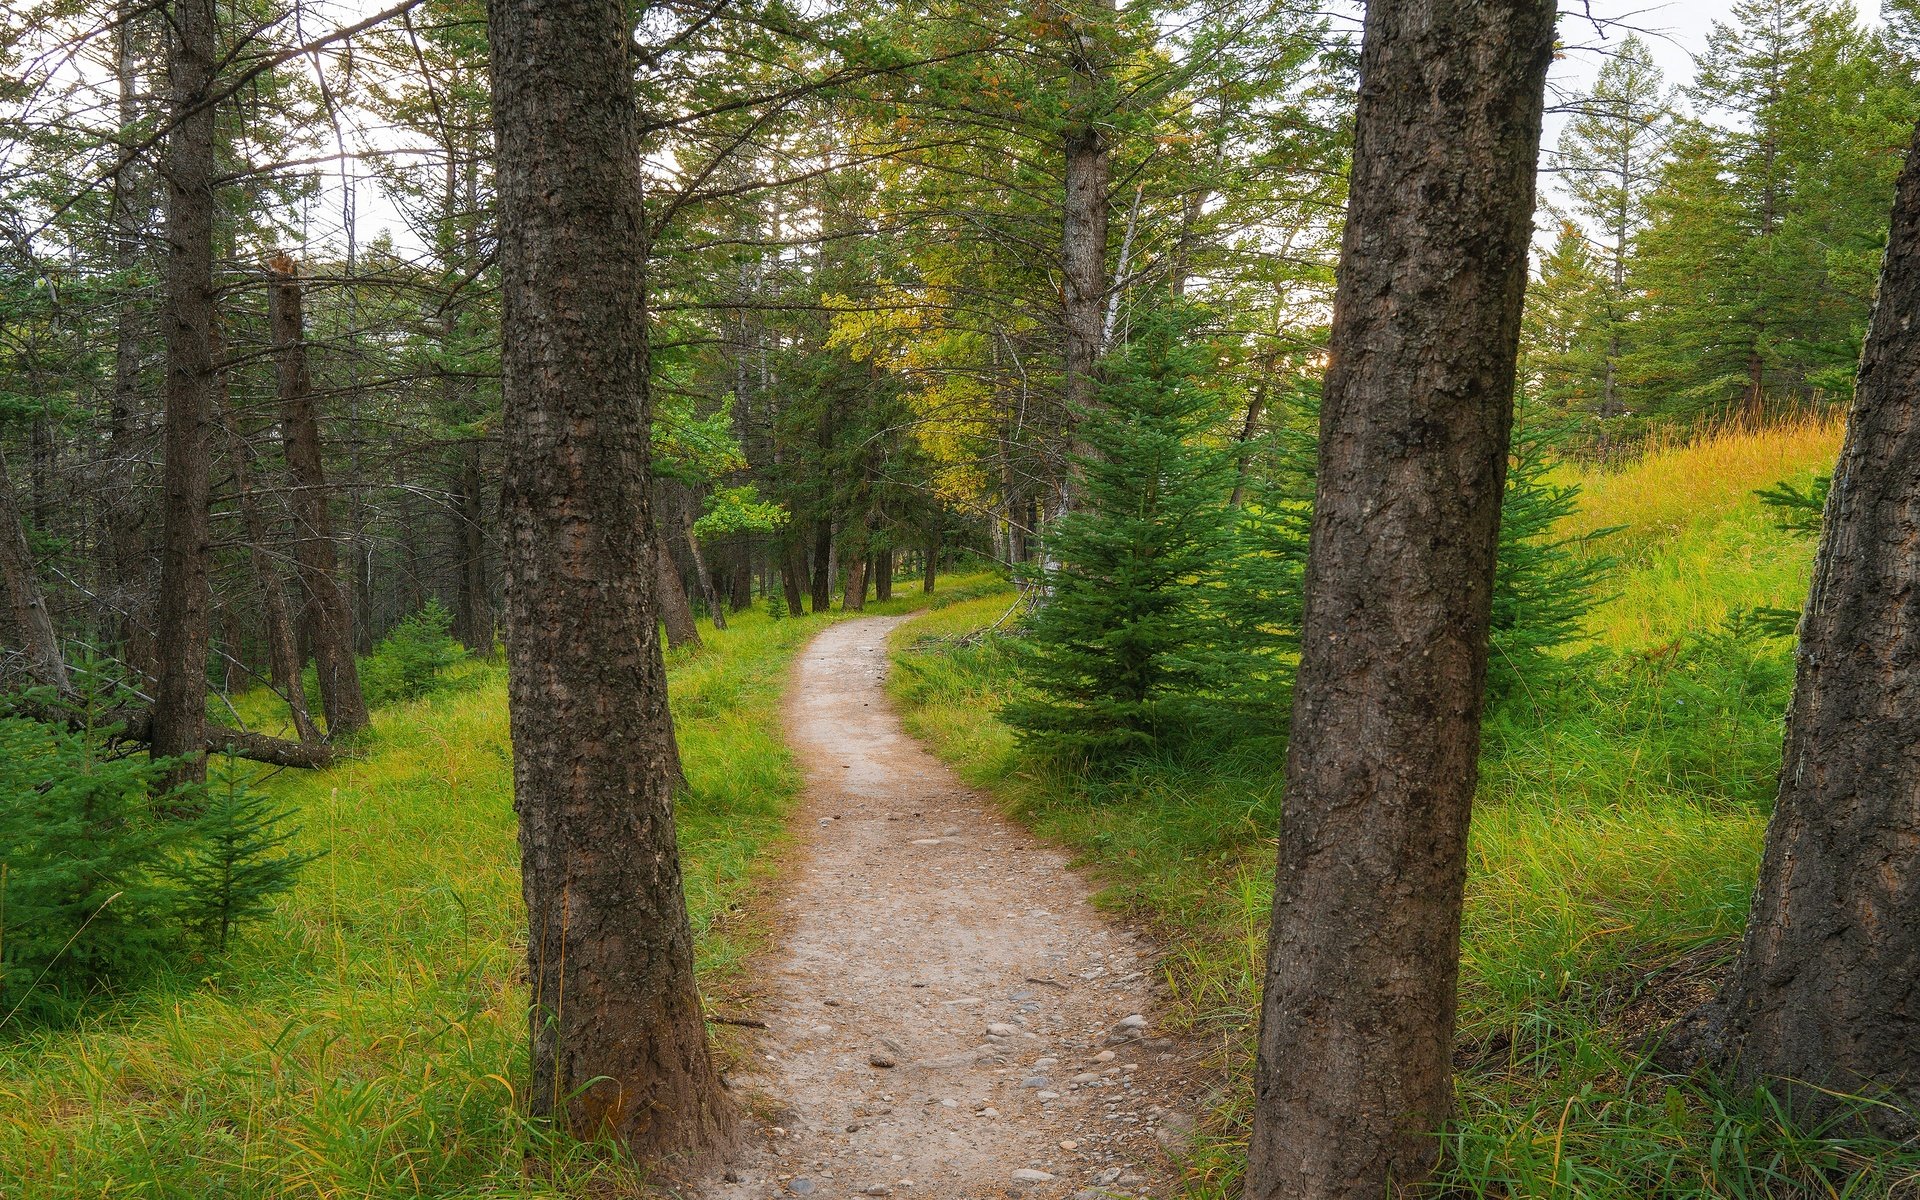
point(948, 1016)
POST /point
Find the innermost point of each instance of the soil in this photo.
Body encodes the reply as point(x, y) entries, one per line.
point(948, 1016)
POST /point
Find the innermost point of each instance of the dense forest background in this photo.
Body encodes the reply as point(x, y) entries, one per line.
point(866, 324)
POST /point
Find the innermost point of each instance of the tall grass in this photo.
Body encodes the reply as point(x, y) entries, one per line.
point(368, 1039)
point(1694, 541)
point(1615, 843)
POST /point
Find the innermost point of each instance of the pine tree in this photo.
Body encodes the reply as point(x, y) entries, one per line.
point(1568, 331)
point(1766, 231)
point(1126, 647)
point(1608, 161)
point(240, 859)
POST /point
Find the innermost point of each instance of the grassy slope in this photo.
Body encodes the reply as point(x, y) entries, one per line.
point(366, 1040)
point(1614, 848)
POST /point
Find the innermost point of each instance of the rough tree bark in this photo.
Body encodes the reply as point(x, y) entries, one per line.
point(883, 576)
point(329, 615)
point(1084, 216)
point(182, 614)
point(1825, 995)
point(1357, 1020)
point(619, 1040)
point(26, 603)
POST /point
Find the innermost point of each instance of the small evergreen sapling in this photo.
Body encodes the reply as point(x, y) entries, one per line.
point(1126, 649)
point(238, 861)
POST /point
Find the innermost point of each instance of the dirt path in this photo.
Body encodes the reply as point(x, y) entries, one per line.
point(948, 1016)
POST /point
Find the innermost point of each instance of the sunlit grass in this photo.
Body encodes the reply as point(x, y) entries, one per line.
point(1695, 543)
point(367, 1041)
point(1615, 843)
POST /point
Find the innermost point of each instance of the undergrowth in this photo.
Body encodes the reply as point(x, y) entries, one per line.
point(1615, 843)
point(367, 1038)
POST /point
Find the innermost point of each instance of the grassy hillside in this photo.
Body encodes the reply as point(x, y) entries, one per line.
point(1694, 542)
point(1614, 849)
point(366, 1041)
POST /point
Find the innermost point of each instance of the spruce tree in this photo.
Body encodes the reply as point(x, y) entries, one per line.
point(239, 860)
point(1125, 650)
point(1608, 163)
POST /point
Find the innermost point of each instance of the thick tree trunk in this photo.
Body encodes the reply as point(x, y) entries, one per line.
point(883, 576)
point(854, 597)
point(676, 612)
point(1356, 1030)
point(183, 616)
point(1822, 999)
point(330, 617)
point(26, 603)
point(1085, 218)
point(283, 650)
point(619, 1038)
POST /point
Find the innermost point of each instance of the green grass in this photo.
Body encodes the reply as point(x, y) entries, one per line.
point(368, 1039)
point(1615, 843)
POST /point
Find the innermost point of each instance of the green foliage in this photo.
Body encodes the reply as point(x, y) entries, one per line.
point(1124, 649)
point(1798, 510)
point(84, 897)
point(1545, 582)
point(237, 863)
point(102, 880)
point(409, 662)
point(732, 511)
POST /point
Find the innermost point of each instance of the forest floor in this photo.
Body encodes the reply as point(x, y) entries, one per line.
point(947, 1013)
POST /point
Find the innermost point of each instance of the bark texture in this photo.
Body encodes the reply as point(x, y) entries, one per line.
point(619, 1039)
point(329, 616)
point(1825, 995)
point(1085, 217)
point(182, 621)
point(1357, 1018)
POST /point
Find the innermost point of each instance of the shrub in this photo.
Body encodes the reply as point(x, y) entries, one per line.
point(82, 857)
point(102, 878)
point(409, 662)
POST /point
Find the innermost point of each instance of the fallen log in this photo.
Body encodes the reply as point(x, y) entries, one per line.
point(136, 725)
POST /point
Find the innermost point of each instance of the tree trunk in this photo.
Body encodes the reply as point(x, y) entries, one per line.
point(883, 576)
point(793, 573)
point(1822, 994)
point(619, 1038)
point(741, 598)
point(854, 597)
point(130, 592)
point(1356, 1030)
point(26, 603)
point(182, 616)
point(933, 558)
point(283, 651)
point(822, 565)
point(329, 615)
point(476, 604)
point(1084, 221)
point(675, 611)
